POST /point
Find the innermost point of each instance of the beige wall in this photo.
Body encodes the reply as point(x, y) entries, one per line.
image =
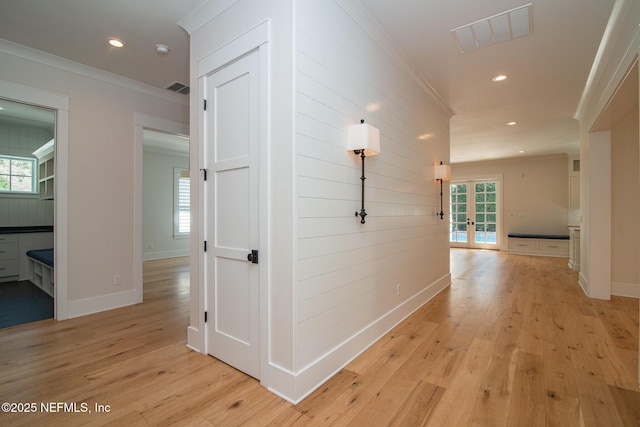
point(535, 192)
point(625, 201)
point(100, 168)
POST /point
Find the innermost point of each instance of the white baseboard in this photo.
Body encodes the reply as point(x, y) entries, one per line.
point(294, 387)
point(584, 283)
point(195, 339)
point(625, 289)
point(150, 256)
point(84, 306)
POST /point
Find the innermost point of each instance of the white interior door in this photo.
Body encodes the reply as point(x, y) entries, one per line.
point(475, 214)
point(231, 216)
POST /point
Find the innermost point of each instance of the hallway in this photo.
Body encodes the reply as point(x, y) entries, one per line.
point(512, 342)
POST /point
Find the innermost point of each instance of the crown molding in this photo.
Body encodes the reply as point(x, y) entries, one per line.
point(67, 65)
point(616, 54)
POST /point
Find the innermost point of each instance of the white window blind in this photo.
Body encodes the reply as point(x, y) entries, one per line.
point(182, 202)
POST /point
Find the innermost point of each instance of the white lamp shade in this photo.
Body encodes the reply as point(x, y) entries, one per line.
point(443, 172)
point(364, 137)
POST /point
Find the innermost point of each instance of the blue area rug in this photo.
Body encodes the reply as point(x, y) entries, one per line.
point(23, 302)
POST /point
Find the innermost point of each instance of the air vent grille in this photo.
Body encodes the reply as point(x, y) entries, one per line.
point(498, 28)
point(178, 87)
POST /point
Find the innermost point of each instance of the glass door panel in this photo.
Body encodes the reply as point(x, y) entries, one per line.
point(458, 217)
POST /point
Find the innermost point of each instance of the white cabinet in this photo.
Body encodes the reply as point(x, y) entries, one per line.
point(574, 248)
point(46, 169)
point(540, 247)
point(9, 266)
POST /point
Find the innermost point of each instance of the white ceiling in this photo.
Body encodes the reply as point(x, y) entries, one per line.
point(547, 69)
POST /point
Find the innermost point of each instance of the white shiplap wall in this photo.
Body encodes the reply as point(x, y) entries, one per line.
point(348, 272)
point(22, 141)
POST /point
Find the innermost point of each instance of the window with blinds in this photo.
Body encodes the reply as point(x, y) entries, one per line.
point(182, 203)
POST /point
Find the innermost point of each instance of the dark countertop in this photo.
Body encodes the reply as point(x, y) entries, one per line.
point(29, 229)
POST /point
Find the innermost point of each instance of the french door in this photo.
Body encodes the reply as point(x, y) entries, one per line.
point(475, 214)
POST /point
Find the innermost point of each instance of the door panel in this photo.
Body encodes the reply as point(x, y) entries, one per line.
point(459, 235)
point(231, 216)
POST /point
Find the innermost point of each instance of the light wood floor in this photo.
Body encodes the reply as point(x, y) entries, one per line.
point(513, 342)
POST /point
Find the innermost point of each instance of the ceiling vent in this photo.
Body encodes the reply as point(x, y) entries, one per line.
point(178, 87)
point(495, 29)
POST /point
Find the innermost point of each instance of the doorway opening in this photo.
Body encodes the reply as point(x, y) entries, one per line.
point(27, 197)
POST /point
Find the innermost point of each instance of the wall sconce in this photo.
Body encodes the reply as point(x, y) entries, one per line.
point(363, 139)
point(443, 173)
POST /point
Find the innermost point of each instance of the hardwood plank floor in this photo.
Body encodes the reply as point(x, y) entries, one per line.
point(512, 342)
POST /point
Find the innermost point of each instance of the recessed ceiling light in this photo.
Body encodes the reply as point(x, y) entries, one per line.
point(512, 123)
point(499, 78)
point(521, 151)
point(116, 43)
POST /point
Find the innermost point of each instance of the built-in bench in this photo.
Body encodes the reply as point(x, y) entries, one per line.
point(41, 269)
point(539, 244)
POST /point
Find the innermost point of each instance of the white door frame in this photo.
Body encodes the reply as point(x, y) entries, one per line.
point(255, 39)
point(59, 103)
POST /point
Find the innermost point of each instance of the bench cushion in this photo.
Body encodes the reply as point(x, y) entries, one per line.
point(43, 255)
point(539, 236)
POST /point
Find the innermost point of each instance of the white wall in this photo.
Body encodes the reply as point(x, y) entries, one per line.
point(332, 281)
point(158, 240)
point(625, 205)
point(617, 53)
point(534, 192)
point(348, 272)
point(23, 210)
point(100, 168)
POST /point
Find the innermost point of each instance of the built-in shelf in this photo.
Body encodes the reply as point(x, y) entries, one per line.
point(46, 170)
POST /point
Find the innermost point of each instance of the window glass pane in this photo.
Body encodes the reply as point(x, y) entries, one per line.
point(480, 188)
point(453, 188)
point(479, 217)
point(21, 183)
point(4, 183)
point(4, 166)
point(490, 207)
point(21, 168)
point(453, 208)
point(479, 207)
point(462, 218)
point(491, 187)
point(491, 197)
point(491, 227)
point(462, 198)
point(462, 227)
point(480, 197)
point(479, 227)
point(491, 218)
point(462, 208)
